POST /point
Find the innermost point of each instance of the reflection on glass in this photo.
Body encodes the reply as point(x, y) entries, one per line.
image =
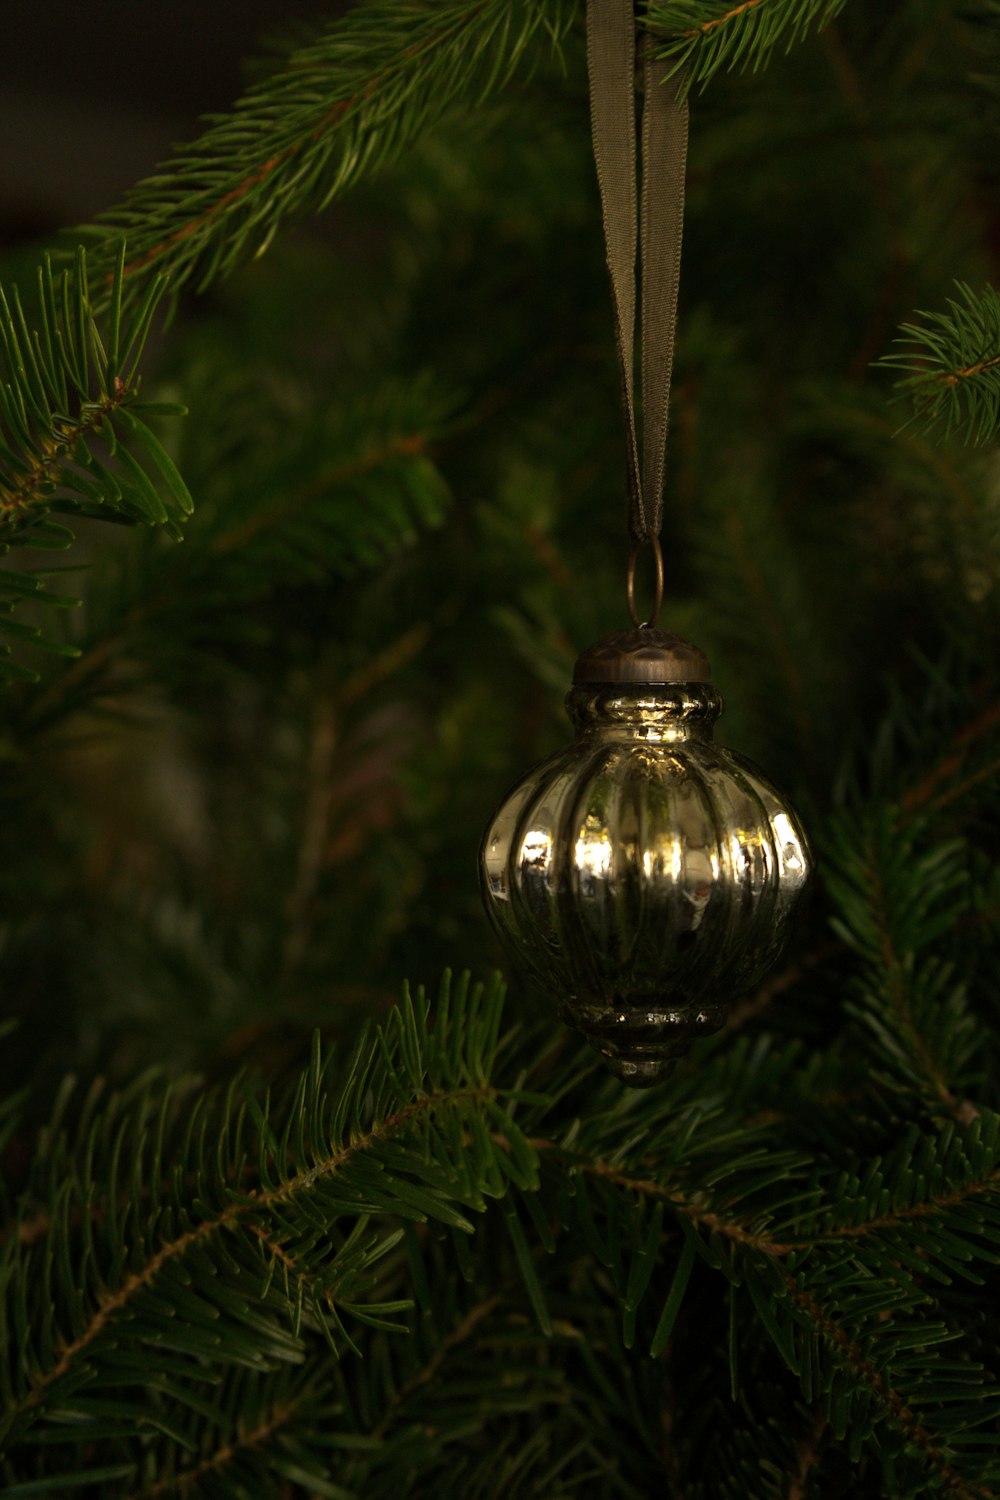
point(535, 848)
point(787, 841)
point(592, 851)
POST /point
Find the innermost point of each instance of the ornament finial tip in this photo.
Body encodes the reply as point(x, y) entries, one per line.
point(640, 1073)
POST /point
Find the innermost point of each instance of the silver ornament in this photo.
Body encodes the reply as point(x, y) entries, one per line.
point(646, 875)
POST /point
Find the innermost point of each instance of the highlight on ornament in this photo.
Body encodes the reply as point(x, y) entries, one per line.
point(645, 875)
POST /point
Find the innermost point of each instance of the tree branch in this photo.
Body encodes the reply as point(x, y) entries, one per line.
point(889, 1399)
point(760, 1240)
point(335, 110)
point(234, 1214)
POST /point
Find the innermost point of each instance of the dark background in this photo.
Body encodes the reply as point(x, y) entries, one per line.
point(93, 96)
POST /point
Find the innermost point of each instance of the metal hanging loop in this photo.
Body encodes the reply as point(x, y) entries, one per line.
point(633, 558)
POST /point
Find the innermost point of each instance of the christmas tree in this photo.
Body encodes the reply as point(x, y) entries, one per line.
point(285, 1211)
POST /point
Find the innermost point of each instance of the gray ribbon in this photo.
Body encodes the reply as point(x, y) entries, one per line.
point(655, 231)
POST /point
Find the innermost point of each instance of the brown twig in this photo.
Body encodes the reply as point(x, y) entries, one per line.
point(954, 377)
point(315, 824)
point(385, 663)
point(45, 468)
point(723, 20)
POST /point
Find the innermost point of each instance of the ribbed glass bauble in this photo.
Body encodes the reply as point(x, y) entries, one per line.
point(646, 875)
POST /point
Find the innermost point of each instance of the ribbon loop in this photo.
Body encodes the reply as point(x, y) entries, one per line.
point(654, 229)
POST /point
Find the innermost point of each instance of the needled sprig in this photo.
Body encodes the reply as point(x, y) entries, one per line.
point(74, 441)
point(335, 110)
point(704, 36)
point(176, 1232)
point(951, 366)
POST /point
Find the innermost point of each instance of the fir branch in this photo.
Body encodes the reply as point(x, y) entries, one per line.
point(751, 1236)
point(860, 1262)
point(243, 1435)
point(32, 488)
point(893, 1404)
point(379, 1145)
point(705, 1218)
point(300, 1183)
point(952, 365)
point(68, 381)
point(108, 1306)
point(899, 988)
point(704, 36)
point(863, 1250)
point(279, 512)
point(336, 109)
point(897, 892)
point(72, 436)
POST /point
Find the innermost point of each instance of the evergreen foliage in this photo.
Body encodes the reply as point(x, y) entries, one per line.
point(72, 436)
point(267, 1230)
point(706, 35)
point(953, 360)
point(337, 107)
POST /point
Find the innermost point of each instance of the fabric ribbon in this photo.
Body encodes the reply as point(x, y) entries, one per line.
point(654, 227)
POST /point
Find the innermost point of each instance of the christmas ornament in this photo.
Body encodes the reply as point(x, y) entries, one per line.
point(646, 875)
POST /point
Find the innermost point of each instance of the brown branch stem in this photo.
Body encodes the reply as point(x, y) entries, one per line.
point(760, 1240)
point(45, 468)
point(953, 377)
point(409, 445)
point(762, 998)
point(724, 19)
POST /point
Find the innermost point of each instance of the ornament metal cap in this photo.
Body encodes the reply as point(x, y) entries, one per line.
point(641, 655)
